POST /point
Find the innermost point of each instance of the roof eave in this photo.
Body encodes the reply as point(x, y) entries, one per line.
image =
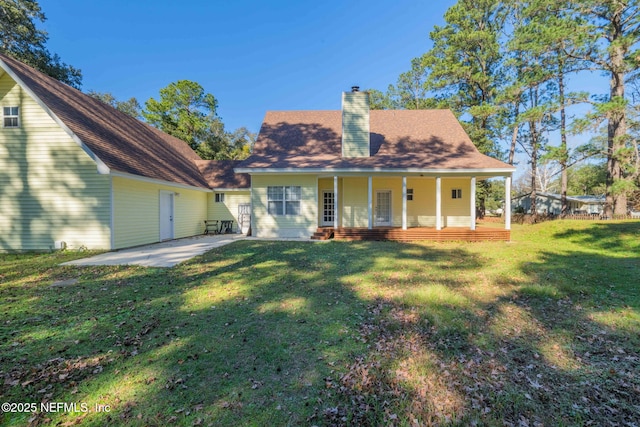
point(360, 171)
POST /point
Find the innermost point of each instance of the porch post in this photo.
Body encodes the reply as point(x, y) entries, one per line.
point(438, 203)
point(370, 201)
point(404, 202)
point(472, 204)
point(507, 203)
point(335, 203)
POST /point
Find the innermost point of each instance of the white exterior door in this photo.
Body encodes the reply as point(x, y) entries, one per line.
point(244, 217)
point(166, 215)
point(383, 207)
point(328, 208)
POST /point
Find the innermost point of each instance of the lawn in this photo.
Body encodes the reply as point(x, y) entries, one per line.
point(544, 330)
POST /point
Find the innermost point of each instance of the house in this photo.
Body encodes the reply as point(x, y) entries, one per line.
point(551, 203)
point(366, 174)
point(76, 173)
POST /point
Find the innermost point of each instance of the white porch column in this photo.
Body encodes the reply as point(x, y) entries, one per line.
point(335, 202)
point(438, 203)
point(404, 202)
point(472, 203)
point(507, 203)
point(370, 201)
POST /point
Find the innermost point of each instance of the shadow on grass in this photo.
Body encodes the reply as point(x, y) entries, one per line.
point(367, 333)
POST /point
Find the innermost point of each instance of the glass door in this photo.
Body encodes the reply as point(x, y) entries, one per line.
point(328, 208)
point(383, 207)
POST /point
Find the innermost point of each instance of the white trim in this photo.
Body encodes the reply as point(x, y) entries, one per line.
point(404, 202)
point(507, 203)
point(438, 203)
point(112, 216)
point(159, 181)
point(370, 201)
point(103, 169)
point(227, 190)
point(335, 202)
point(472, 202)
point(384, 171)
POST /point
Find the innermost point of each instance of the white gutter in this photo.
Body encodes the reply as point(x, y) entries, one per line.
point(103, 169)
point(427, 172)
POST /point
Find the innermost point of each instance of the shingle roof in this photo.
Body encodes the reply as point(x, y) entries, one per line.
point(123, 143)
point(400, 139)
point(220, 174)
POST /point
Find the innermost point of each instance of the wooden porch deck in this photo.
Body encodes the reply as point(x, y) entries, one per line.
point(480, 234)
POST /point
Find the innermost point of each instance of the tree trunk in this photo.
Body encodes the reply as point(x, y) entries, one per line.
point(616, 129)
point(514, 136)
point(563, 143)
point(534, 169)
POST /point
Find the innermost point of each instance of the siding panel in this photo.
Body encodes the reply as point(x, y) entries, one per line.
point(49, 188)
point(303, 225)
point(137, 212)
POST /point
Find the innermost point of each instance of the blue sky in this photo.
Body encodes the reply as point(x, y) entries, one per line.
point(253, 56)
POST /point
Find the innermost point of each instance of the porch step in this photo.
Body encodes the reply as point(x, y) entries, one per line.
point(323, 233)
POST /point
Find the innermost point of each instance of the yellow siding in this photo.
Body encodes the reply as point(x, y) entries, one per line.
point(227, 210)
point(137, 212)
point(355, 199)
point(265, 225)
point(456, 212)
point(49, 187)
point(421, 211)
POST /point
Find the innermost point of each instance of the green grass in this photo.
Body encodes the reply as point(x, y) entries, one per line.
point(543, 329)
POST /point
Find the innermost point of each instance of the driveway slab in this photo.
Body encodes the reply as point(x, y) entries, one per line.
point(164, 254)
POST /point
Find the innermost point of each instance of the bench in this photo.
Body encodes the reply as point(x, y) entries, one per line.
point(214, 226)
point(211, 226)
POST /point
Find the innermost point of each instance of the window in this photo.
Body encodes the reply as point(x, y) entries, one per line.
point(456, 193)
point(219, 197)
point(409, 194)
point(11, 117)
point(284, 200)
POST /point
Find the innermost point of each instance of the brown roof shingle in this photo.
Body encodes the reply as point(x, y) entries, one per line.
point(123, 143)
point(400, 139)
point(220, 174)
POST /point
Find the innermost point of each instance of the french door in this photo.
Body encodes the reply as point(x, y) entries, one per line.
point(328, 208)
point(383, 207)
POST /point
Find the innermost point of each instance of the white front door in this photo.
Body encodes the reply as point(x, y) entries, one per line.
point(166, 215)
point(244, 217)
point(383, 207)
point(328, 208)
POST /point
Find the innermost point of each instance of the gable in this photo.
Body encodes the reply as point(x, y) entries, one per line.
point(120, 142)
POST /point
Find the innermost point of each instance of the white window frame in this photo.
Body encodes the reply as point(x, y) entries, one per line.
point(10, 113)
point(456, 193)
point(282, 199)
point(219, 198)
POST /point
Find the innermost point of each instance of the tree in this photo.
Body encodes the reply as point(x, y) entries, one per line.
point(21, 39)
point(547, 35)
point(588, 179)
point(611, 39)
point(130, 107)
point(185, 111)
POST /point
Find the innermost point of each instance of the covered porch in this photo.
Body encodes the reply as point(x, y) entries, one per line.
point(404, 208)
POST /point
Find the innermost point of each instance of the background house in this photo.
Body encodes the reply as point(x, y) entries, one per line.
point(550, 203)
